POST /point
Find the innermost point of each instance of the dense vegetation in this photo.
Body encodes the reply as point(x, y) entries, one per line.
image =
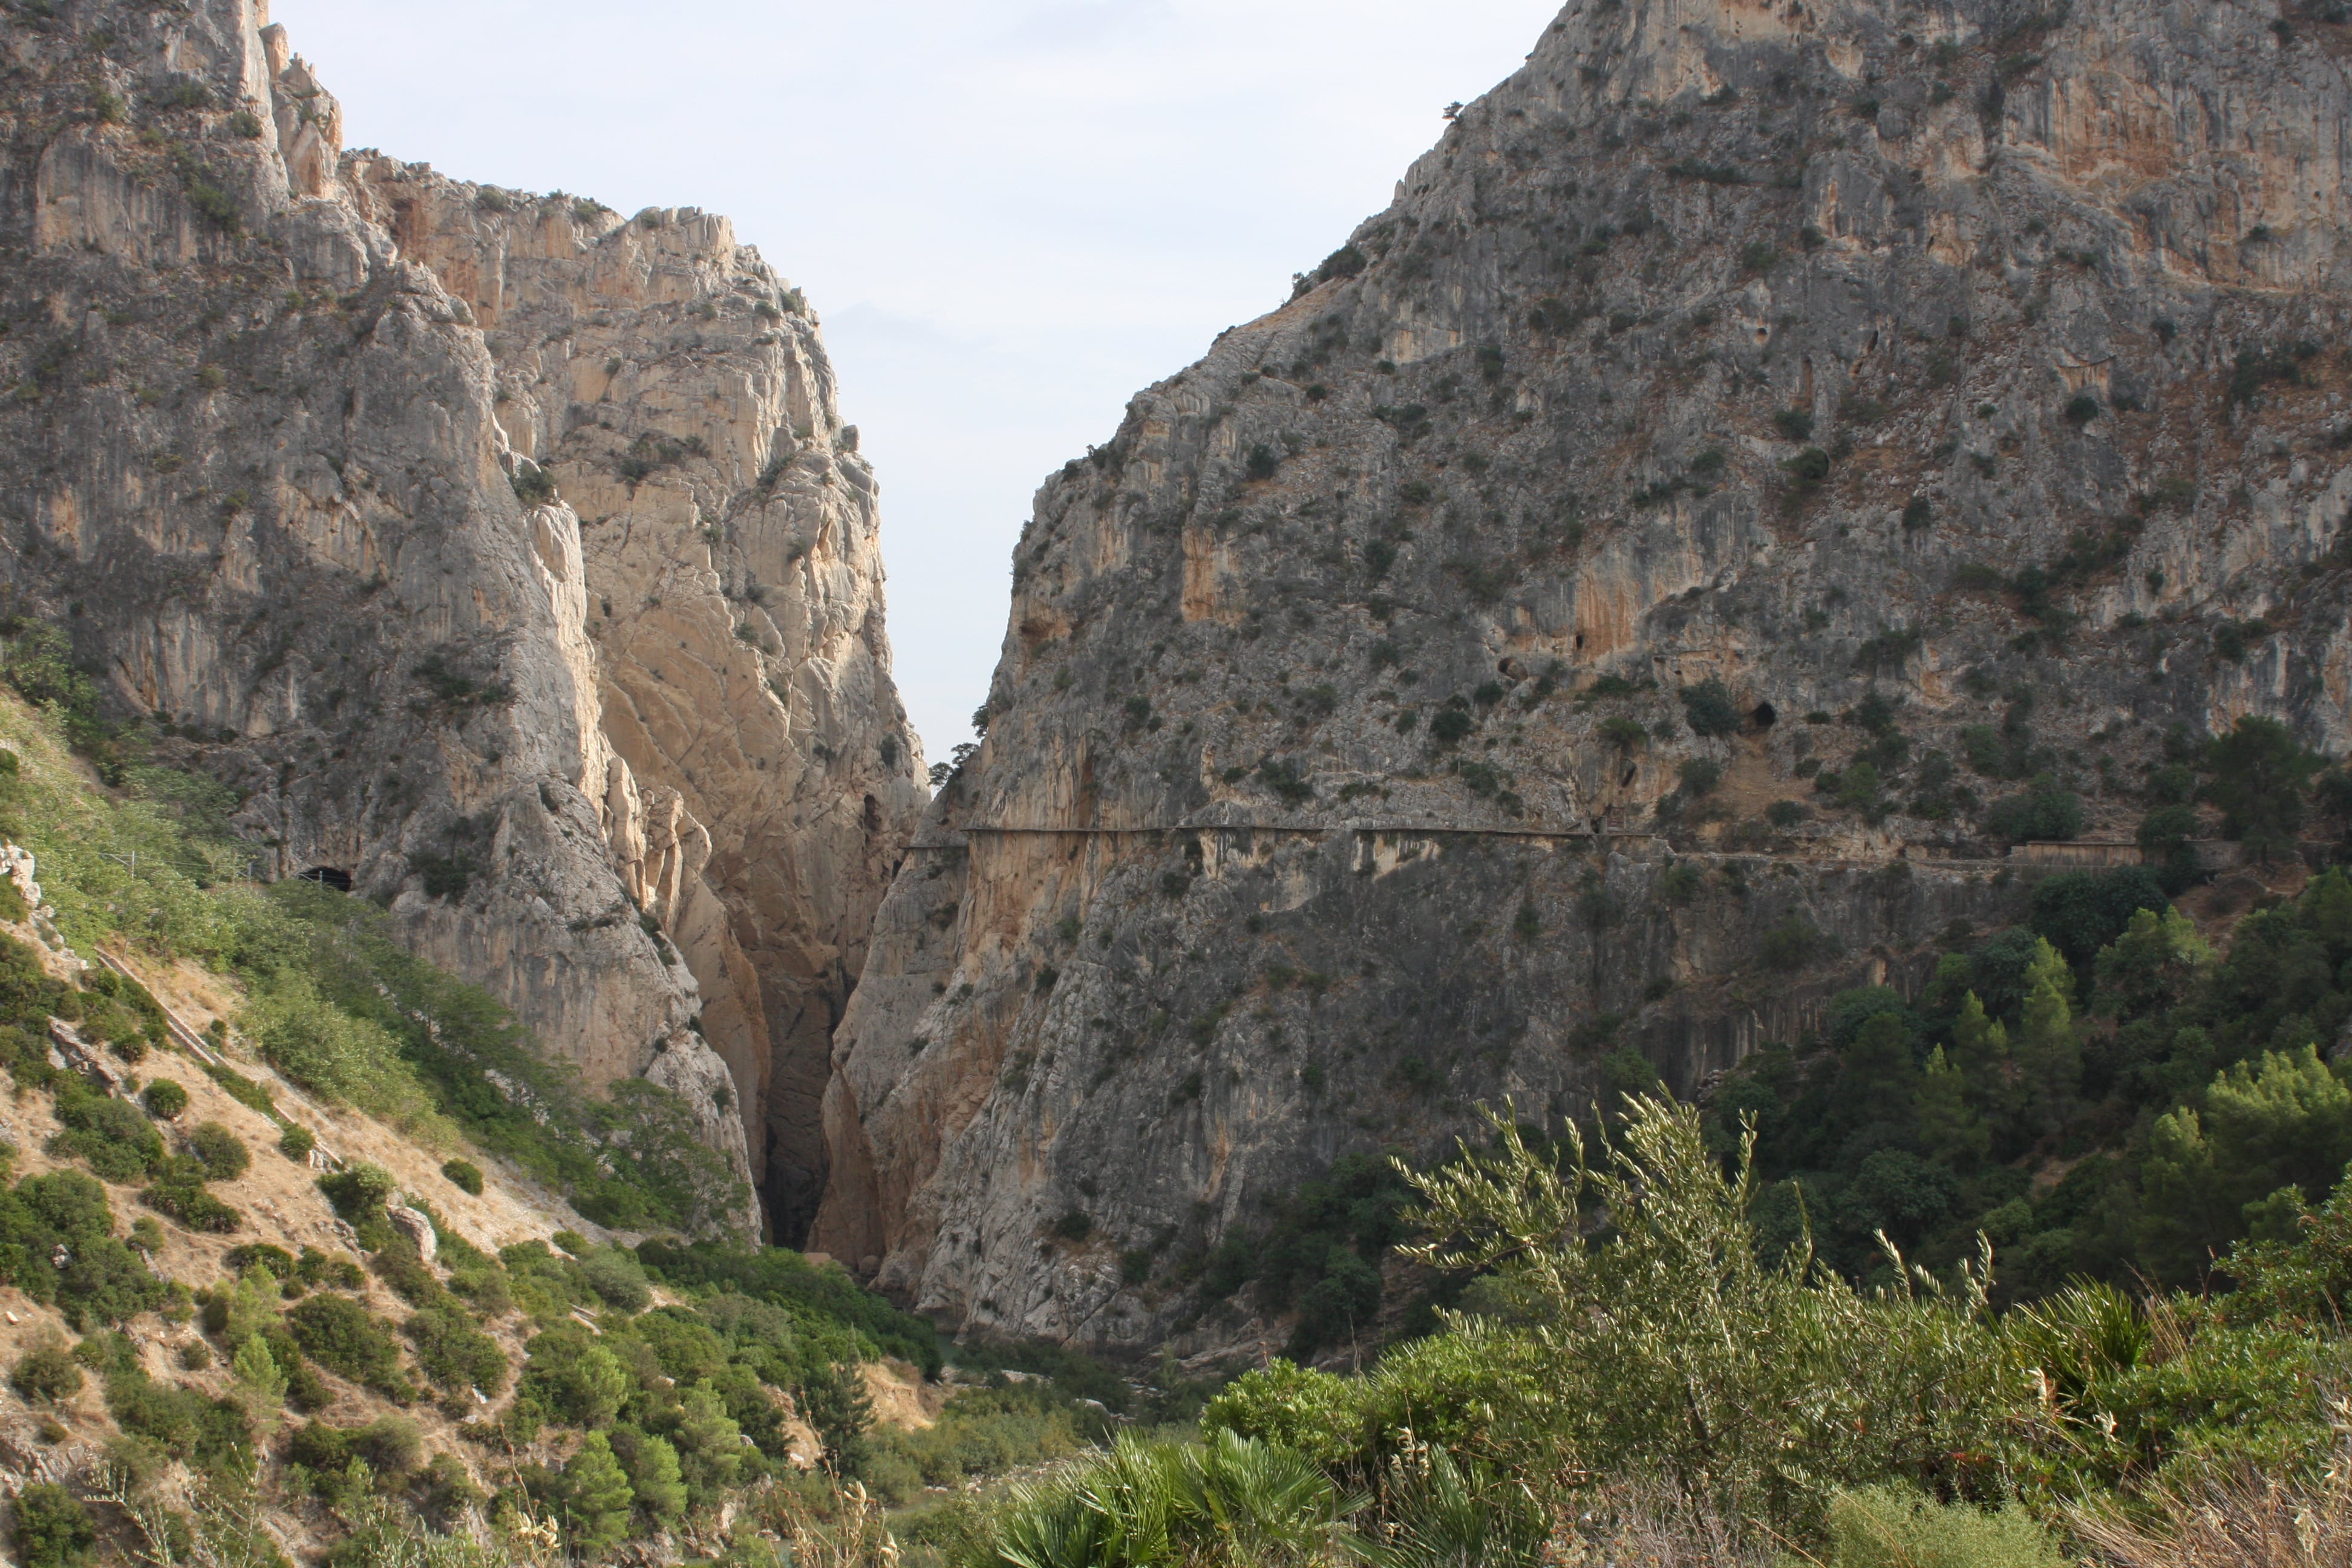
point(2098, 1092)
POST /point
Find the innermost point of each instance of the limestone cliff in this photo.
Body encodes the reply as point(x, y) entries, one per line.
point(765, 778)
point(1867, 407)
point(281, 440)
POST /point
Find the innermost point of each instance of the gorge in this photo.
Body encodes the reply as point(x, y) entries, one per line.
point(1646, 582)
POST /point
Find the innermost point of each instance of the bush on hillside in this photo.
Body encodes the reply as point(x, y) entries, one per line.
point(2044, 811)
point(616, 1277)
point(46, 1372)
point(53, 1528)
point(220, 1151)
point(391, 1446)
point(342, 1336)
point(1231, 1494)
point(65, 1215)
point(1884, 1527)
point(110, 1136)
point(2081, 912)
point(573, 1379)
point(1673, 1351)
point(453, 1354)
point(1709, 710)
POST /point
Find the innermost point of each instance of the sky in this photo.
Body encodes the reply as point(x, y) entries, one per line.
point(1009, 217)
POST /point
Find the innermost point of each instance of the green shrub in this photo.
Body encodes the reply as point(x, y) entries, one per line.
point(1708, 709)
point(2043, 812)
point(1790, 945)
point(2081, 912)
point(1623, 733)
point(651, 1465)
point(221, 1151)
point(2166, 837)
point(164, 1098)
point(616, 1277)
point(359, 1191)
point(391, 1446)
point(53, 1527)
point(1699, 776)
point(534, 486)
point(296, 1143)
point(1673, 1351)
point(107, 1134)
point(411, 1277)
point(572, 1379)
point(465, 1175)
point(453, 1354)
point(277, 1260)
point(326, 1050)
point(982, 1432)
point(46, 1372)
point(65, 1213)
point(595, 1496)
point(1437, 1512)
point(2259, 775)
point(243, 1089)
point(1884, 1527)
point(342, 1336)
point(316, 1268)
point(181, 1194)
point(179, 1422)
point(1149, 1502)
point(775, 1276)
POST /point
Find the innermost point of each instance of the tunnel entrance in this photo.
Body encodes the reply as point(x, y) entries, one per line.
point(340, 881)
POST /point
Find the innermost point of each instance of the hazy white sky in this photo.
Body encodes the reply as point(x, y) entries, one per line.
point(1010, 216)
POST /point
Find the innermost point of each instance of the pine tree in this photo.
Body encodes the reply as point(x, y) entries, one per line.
point(1948, 1129)
point(2049, 1054)
point(254, 1304)
point(653, 1469)
point(2152, 964)
point(596, 1495)
point(709, 1444)
point(1881, 1072)
point(1980, 1053)
point(261, 1384)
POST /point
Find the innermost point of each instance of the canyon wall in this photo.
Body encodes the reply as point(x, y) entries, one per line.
point(509, 556)
point(1599, 610)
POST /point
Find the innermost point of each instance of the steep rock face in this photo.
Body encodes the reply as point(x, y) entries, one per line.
point(679, 393)
point(1954, 384)
point(271, 474)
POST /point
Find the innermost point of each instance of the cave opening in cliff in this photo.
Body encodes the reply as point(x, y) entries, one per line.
point(1764, 715)
point(333, 876)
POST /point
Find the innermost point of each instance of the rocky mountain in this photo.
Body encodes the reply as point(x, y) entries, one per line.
point(509, 557)
point(1770, 461)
